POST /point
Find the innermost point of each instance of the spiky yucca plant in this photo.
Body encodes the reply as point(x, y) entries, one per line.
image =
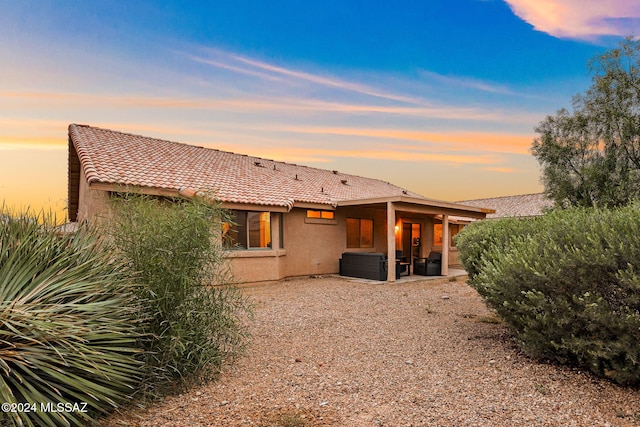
point(67, 325)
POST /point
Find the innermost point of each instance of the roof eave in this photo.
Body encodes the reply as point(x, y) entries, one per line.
point(185, 192)
point(474, 211)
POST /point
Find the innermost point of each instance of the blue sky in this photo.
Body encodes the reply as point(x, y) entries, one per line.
point(441, 97)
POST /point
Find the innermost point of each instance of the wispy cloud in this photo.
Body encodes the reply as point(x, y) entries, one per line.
point(500, 169)
point(230, 67)
point(468, 82)
point(580, 19)
point(32, 134)
point(453, 141)
point(390, 153)
point(263, 103)
point(252, 67)
point(10, 143)
point(327, 81)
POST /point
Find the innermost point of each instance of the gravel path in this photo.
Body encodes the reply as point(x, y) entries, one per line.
point(334, 352)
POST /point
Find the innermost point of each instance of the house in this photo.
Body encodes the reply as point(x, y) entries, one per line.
point(291, 220)
point(521, 206)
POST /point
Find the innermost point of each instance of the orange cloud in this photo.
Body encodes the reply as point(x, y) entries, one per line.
point(478, 141)
point(500, 169)
point(297, 154)
point(33, 142)
point(262, 104)
point(577, 19)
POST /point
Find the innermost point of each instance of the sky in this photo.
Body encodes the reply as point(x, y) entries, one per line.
point(441, 97)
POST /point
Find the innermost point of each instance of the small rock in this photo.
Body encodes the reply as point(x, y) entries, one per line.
point(446, 297)
point(298, 360)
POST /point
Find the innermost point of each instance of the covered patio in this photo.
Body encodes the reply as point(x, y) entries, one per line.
point(415, 226)
point(454, 274)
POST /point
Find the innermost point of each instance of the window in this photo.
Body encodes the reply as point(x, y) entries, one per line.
point(437, 233)
point(321, 214)
point(359, 233)
point(455, 229)
point(248, 230)
point(281, 224)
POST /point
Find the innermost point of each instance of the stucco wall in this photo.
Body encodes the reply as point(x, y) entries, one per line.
point(256, 265)
point(310, 247)
point(91, 203)
point(314, 246)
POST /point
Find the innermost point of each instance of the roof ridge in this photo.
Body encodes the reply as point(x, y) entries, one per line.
point(143, 136)
point(502, 197)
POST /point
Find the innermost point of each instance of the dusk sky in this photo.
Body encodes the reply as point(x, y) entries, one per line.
point(438, 96)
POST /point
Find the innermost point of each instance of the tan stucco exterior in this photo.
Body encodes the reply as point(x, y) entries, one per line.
point(91, 202)
point(309, 246)
point(314, 246)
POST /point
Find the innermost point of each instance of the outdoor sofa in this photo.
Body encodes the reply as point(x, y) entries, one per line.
point(365, 265)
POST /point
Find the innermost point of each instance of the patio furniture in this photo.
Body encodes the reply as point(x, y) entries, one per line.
point(403, 263)
point(429, 266)
point(365, 265)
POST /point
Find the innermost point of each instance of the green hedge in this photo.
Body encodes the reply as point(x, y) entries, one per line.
point(567, 283)
point(476, 239)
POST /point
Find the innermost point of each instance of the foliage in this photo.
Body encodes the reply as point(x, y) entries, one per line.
point(479, 237)
point(67, 324)
point(591, 157)
point(196, 314)
point(569, 287)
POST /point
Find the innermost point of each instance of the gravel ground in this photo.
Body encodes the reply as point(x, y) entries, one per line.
point(335, 352)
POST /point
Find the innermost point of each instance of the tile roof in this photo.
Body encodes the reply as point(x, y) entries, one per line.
point(522, 205)
point(118, 158)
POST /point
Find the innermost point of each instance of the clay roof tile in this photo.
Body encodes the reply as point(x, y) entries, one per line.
point(120, 158)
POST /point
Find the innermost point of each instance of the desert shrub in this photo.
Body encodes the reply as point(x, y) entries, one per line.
point(196, 315)
point(475, 240)
point(570, 289)
point(67, 324)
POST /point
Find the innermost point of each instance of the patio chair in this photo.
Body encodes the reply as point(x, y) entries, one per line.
point(429, 266)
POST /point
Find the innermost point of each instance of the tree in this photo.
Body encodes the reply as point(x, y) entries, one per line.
point(591, 157)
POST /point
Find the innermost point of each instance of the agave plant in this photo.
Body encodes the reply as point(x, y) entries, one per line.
point(67, 326)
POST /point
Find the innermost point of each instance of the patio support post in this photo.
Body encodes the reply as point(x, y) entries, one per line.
point(445, 245)
point(391, 242)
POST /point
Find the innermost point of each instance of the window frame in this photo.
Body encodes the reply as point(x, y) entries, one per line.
point(321, 214)
point(364, 242)
point(452, 226)
point(242, 231)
